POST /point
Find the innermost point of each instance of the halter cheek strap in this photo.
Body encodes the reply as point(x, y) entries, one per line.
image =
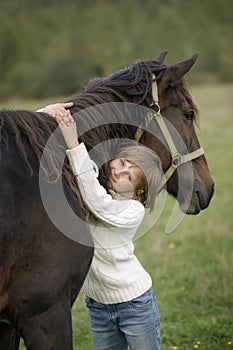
point(155, 95)
point(177, 158)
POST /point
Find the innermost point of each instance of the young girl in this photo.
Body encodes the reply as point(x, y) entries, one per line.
point(122, 306)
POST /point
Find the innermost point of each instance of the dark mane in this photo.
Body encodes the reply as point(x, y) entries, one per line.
point(33, 125)
point(132, 84)
point(31, 130)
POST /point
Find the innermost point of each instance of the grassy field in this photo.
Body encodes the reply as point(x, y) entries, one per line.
point(191, 267)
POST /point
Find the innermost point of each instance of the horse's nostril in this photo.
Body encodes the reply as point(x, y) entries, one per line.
point(212, 189)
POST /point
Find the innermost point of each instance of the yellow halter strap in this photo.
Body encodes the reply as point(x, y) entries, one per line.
point(177, 158)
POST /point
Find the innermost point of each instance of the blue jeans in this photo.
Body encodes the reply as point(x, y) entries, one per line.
point(135, 323)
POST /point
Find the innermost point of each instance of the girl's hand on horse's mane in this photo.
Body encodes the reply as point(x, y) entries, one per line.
point(68, 128)
point(56, 110)
point(65, 120)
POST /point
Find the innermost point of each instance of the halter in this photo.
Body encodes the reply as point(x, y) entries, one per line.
point(177, 158)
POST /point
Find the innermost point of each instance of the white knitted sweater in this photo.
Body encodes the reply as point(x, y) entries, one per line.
point(115, 275)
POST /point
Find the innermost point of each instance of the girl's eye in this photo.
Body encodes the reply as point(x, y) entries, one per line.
point(129, 177)
point(122, 162)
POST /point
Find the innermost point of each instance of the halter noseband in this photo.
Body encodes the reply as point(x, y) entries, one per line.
point(177, 158)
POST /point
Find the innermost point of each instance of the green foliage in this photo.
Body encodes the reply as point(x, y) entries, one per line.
point(50, 48)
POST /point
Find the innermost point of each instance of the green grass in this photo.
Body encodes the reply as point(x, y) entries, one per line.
point(191, 267)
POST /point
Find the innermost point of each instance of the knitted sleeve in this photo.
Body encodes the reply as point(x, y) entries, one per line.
point(119, 213)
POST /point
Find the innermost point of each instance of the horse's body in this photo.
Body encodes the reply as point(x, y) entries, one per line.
point(41, 270)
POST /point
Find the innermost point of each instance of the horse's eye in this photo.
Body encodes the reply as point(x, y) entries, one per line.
point(189, 115)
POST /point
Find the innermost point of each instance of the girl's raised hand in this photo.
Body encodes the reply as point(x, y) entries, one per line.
point(65, 121)
point(68, 128)
point(56, 110)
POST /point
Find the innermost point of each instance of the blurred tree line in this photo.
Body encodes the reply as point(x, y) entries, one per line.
point(53, 47)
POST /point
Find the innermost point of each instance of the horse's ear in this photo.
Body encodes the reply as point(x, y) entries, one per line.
point(161, 57)
point(175, 72)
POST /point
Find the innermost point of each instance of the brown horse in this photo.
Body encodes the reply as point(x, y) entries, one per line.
point(41, 270)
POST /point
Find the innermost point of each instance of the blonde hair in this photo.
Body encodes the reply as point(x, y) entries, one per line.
point(150, 164)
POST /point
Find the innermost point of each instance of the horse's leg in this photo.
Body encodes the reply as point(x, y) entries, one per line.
point(51, 329)
point(9, 339)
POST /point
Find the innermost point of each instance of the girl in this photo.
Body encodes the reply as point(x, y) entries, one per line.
point(122, 306)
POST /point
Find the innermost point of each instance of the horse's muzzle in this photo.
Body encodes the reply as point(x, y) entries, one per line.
point(201, 197)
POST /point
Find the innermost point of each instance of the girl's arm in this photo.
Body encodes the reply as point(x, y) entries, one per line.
point(120, 213)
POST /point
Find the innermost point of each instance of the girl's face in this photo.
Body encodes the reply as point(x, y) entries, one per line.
point(124, 176)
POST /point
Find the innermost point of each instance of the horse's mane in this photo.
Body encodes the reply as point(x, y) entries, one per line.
point(132, 84)
point(32, 130)
point(33, 125)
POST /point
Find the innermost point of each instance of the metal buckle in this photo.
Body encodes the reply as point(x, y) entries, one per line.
point(176, 160)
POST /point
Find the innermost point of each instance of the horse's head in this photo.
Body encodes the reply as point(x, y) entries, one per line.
point(190, 183)
point(183, 159)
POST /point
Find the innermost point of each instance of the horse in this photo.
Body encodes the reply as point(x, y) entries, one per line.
point(41, 269)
